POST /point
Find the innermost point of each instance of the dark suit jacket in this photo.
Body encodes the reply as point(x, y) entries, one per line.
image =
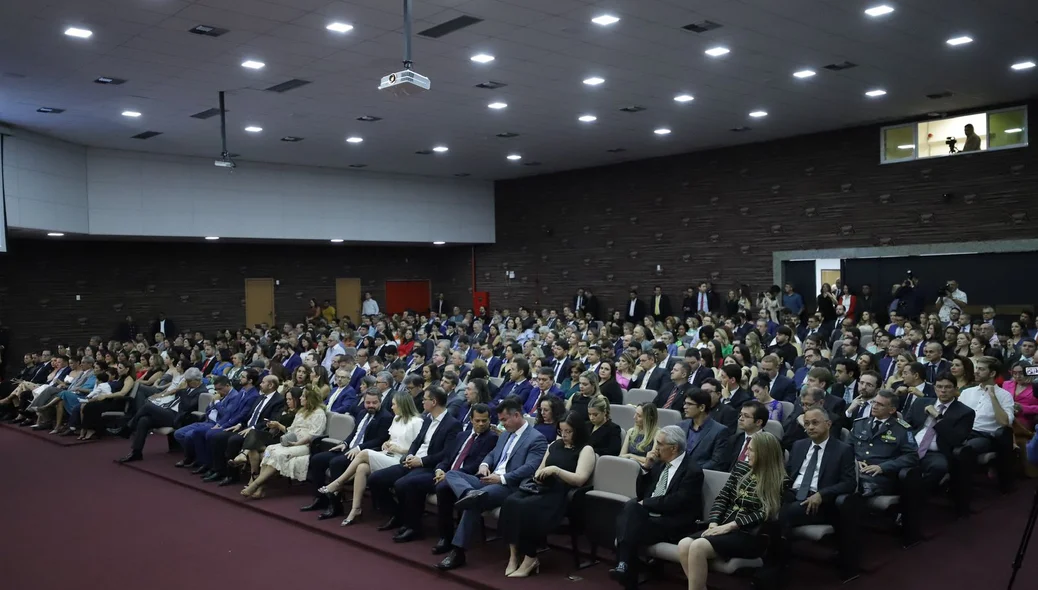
point(952, 430)
point(188, 403)
point(494, 366)
point(931, 375)
point(904, 405)
point(679, 399)
point(170, 333)
point(726, 415)
point(482, 446)
point(592, 308)
point(639, 311)
point(209, 364)
point(784, 389)
point(792, 431)
point(699, 375)
point(274, 407)
point(40, 373)
point(562, 373)
point(735, 443)
point(665, 310)
point(710, 450)
point(447, 430)
point(739, 397)
point(836, 406)
point(682, 505)
point(656, 381)
point(376, 434)
point(345, 403)
point(838, 472)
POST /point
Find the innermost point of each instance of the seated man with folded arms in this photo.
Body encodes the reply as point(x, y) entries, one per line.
point(228, 407)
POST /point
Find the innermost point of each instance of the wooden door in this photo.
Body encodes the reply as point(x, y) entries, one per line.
point(259, 302)
point(347, 298)
point(830, 276)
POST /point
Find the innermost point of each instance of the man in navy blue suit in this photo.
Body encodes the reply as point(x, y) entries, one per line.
point(781, 387)
point(486, 352)
point(342, 399)
point(515, 457)
point(413, 477)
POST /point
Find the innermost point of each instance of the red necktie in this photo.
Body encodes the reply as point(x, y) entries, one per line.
point(745, 447)
point(702, 301)
point(670, 399)
point(464, 452)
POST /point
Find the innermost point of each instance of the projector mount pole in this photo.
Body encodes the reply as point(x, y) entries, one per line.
point(407, 35)
point(223, 129)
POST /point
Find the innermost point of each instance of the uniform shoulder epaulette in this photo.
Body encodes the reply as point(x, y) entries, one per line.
point(863, 418)
point(903, 423)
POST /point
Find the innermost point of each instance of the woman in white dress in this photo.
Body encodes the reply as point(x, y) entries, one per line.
point(402, 432)
point(291, 456)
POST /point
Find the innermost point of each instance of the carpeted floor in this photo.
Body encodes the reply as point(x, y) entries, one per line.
point(62, 441)
point(136, 527)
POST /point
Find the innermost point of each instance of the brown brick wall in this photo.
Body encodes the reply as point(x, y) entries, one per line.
point(726, 211)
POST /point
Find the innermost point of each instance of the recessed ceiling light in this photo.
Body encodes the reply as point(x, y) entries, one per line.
point(1024, 65)
point(959, 40)
point(587, 118)
point(131, 114)
point(594, 81)
point(440, 149)
point(759, 114)
point(661, 131)
point(875, 93)
point(605, 20)
point(337, 240)
point(716, 51)
point(339, 27)
point(55, 234)
point(252, 64)
point(1014, 130)
point(514, 157)
point(684, 98)
point(497, 105)
point(879, 10)
point(109, 80)
point(482, 58)
point(50, 110)
point(906, 146)
point(804, 74)
point(253, 129)
point(212, 238)
point(80, 33)
point(354, 139)
point(439, 243)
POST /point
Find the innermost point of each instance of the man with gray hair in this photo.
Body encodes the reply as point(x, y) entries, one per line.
point(334, 348)
point(669, 502)
point(171, 414)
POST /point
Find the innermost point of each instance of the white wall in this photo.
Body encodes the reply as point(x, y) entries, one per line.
point(56, 186)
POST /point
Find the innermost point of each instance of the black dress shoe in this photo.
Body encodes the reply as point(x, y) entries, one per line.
point(227, 481)
point(200, 470)
point(470, 500)
point(620, 573)
point(214, 476)
point(319, 503)
point(454, 560)
point(184, 463)
point(392, 523)
point(130, 458)
point(334, 510)
point(442, 546)
point(407, 536)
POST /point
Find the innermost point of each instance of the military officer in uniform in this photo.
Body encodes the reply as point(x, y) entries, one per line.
point(883, 446)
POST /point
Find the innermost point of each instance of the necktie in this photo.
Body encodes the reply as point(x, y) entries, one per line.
point(932, 373)
point(890, 369)
point(507, 450)
point(657, 305)
point(464, 452)
point(848, 394)
point(256, 412)
point(702, 302)
point(931, 432)
point(745, 447)
point(661, 484)
point(673, 395)
point(910, 401)
point(805, 486)
point(875, 427)
point(359, 437)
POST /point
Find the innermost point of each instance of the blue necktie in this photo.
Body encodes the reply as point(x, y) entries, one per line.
point(505, 451)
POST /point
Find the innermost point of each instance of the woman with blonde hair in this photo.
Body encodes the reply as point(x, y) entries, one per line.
point(291, 456)
point(639, 438)
point(626, 370)
point(751, 496)
point(406, 425)
point(753, 343)
point(606, 435)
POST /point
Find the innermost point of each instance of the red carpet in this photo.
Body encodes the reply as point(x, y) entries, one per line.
point(133, 529)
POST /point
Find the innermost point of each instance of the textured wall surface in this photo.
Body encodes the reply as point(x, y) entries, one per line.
point(719, 215)
point(198, 285)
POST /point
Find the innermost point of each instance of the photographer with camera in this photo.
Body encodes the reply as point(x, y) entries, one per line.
point(908, 298)
point(950, 297)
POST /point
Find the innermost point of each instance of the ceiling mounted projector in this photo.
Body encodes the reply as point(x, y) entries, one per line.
point(406, 82)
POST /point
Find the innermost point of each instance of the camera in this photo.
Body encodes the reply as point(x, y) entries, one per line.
point(950, 142)
point(943, 291)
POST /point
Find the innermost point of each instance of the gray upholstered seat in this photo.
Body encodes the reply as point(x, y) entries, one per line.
point(339, 427)
point(669, 417)
point(622, 415)
point(813, 532)
point(639, 396)
point(774, 428)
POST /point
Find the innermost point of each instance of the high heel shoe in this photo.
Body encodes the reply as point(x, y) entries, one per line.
point(531, 571)
point(327, 490)
point(351, 519)
point(511, 567)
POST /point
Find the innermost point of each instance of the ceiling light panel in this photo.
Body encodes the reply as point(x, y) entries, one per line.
point(593, 81)
point(253, 129)
point(514, 157)
point(963, 40)
point(252, 64)
point(605, 20)
point(684, 98)
point(338, 27)
point(131, 114)
point(1024, 65)
point(759, 114)
point(497, 105)
point(79, 33)
point(587, 118)
point(717, 51)
point(661, 131)
point(354, 139)
point(804, 74)
point(482, 58)
point(876, 92)
point(879, 10)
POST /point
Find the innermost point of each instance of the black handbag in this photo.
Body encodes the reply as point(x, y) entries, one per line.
point(530, 486)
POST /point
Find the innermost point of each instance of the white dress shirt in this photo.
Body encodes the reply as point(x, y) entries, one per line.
point(423, 450)
point(980, 401)
point(807, 461)
point(671, 469)
point(630, 307)
point(335, 395)
point(369, 307)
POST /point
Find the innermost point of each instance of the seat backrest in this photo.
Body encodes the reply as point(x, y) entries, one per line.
point(787, 409)
point(622, 415)
point(845, 435)
point(340, 426)
point(531, 421)
point(616, 476)
point(639, 396)
point(204, 400)
point(774, 428)
point(713, 483)
point(497, 381)
point(668, 417)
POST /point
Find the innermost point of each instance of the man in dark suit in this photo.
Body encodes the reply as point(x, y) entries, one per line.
point(672, 395)
point(653, 376)
point(514, 458)
point(660, 306)
point(913, 387)
point(846, 375)
point(688, 304)
point(793, 424)
point(935, 365)
point(592, 309)
point(173, 414)
point(486, 352)
point(706, 300)
point(669, 502)
point(823, 379)
point(579, 301)
point(227, 444)
point(814, 328)
point(752, 417)
point(781, 387)
point(465, 454)
point(634, 310)
point(732, 394)
point(371, 433)
point(164, 325)
point(440, 306)
point(697, 373)
point(723, 413)
point(820, 468)
point(706, 440)
point(413, 478)
point(940, 426)
point(560, 361)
